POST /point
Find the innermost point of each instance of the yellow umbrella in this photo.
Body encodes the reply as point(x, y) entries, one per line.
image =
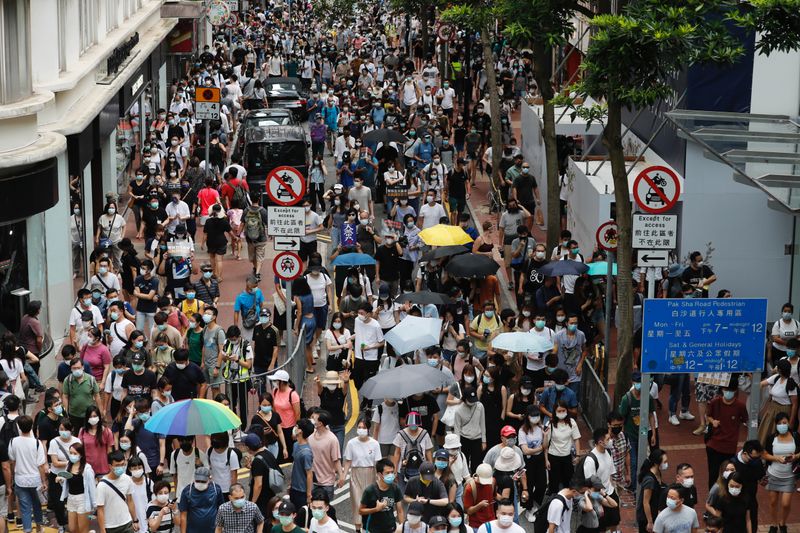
point(444, 235)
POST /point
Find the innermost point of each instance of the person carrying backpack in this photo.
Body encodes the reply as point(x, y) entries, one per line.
point(236, 191)
point(412, 446)
point(505, 520)
point(224, 462)
point(255, 232)
point(555, 513)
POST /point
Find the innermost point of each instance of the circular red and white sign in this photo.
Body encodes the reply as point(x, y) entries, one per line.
point(446, 31)
point(607, 235)
point(656, 189)
point(285, 185)
point(287, 266)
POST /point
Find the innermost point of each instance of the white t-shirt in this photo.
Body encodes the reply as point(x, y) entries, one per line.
point(221, 470)
point(114, 386)
point(447, 98)
point(561, 438)
point(568, 281)
point(784, 331)
point(367, 333)
point(329, 527)
point(318, 285)
point(778, 392)
point(339, 338)
point(80, 329)
point(557, 515)
point(58, 448)
point(118, 336)
point(13, 369)
point(513, 528)
point(388, 416)
point(28, 455)
point(116, 509)
point(183, 467)
point(385, 316)
point(177, 212)
point(140, 502)
point(431, 214)
point(535, 361)
point(313, 221)
point(425, 443)
point(109, 281)
point(605, 468)
point(111, 226)
point(362, 453)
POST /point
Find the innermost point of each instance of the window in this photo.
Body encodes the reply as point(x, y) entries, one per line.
point(112, 9)
point(88, 13)
point(15, 52)
point(61, 6)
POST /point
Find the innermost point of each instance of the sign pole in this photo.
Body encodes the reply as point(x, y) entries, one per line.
point(609, 305)
point(208, 147)
point(289, 320)
point(644, 421)
point(651, 287)
point(755, 405)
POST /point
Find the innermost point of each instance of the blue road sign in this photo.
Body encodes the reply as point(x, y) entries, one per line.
point(704, 335)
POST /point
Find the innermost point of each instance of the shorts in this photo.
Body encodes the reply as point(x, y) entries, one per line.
point(203, 220)
point(563, 205)
point(76, 503)
point(222, 250)
point(457, 204)
point(208, 373)
point(257, 251)
point(705, 392)
point(321, 316)
point(472, 155)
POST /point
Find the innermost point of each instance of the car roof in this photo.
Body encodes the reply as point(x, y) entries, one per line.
point(269, 112)
point(275, 134)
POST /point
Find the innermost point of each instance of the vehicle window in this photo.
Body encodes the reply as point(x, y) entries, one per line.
point(263, 155)
point(281, 87)
point(273, 121)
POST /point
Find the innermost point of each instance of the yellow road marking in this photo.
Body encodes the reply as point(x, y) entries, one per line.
point(351, 422)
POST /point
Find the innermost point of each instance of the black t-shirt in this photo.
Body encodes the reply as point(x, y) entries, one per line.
point(264, 341)
point(150, 217)
point(503, 481)
point(271, 432)
point(425, 406)
point(533, 280)
point(215, 229)
point(47, 428)
point(139, 386)
point(734, 512)
point(145, 286)
point(366, 240)
point(525, 184)
point(333, 402)
point(435, 490)
point(389, 261)
point(184, 382)
point(693, 277)
point(129, 262)
point(383, 522)
point(457, 184)
point(262, 462)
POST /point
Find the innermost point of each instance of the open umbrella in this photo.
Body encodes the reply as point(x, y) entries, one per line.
point(521, 342)
point(193, 417)
point(564, 267)
point(353, 259)
point(383, 135)
point(600, 268)
point(444, 235)
point(471, 266)
point(442, 251)
point(404, 381)
point(413, 333)
point(425, 298)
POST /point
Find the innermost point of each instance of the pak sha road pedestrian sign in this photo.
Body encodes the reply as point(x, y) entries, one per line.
point(287, 266)
point(656, 189)
point(285, 185)
point(682, 335)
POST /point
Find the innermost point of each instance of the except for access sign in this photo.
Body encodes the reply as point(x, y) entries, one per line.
point(703, 335)
point(285, 185)
point(656, 189)
point(287, 266)
point(655, 231)
point(286, 222)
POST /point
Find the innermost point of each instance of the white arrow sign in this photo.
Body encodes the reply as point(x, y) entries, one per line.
point(653, 258)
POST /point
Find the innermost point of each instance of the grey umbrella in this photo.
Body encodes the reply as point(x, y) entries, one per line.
point(404, 381)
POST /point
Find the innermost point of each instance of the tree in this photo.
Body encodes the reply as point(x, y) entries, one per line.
point(422, 10)
point(543, 25)
point(629, 63)
point(480, 15)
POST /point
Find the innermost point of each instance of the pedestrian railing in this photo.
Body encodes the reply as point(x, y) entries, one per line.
point(595, 402)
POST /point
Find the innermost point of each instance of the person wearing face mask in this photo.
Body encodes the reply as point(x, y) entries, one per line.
point(78, 327)
point(141, 493)
point(238, 514)
point(146, 292)
point(331, 391)
point(79, 392)
point(187, 378)
point(432, 211)
point(749, 472)
point(78, 493)
point(572, 352)
point(677, 516)
point(652, 489)
point(619, 447)
point(725, 415)
point(781, 452)
point(600, 463)
point(381, 505)
point(784, 330)
point(361, 455)
point(427, 490)
point(532, 443)
point(115, 508)
point(698, 275)
point(207, 287)
point(483, 329)
point(783, 392)
point(505, 519)
point(557, 393)
point(199, 502)
point(184, 465)
point(110, 230)
point(629, 409)
point(564, 435)
point(162, 515)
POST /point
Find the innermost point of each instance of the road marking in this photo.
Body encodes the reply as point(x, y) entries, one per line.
point(356, 408)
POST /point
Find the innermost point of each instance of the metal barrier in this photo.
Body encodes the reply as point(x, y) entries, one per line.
point(294, 365)
point(595, 402)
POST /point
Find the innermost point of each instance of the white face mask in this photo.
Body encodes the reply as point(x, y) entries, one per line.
point(561, 415)
point(162, 498)
point(94, 420)
point(362, 432)
point(137, 473)
point(414, 519)
point(505, 520)
point(469, 379)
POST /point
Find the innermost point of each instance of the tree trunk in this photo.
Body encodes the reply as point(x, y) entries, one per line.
point(424, 17)
point(542, 72)
point(612, 139)
point(494, 106)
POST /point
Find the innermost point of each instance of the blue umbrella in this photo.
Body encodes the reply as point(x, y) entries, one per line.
point(353, 259)
point(564, 267)
point(413, 333)
point(600, 268)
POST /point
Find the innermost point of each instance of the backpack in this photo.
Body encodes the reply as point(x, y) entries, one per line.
point(8, 431)
point(540, 524)
point(235, 450)
point(253, 225)
point(276, 479)
point(412, 456)
point(240, 199)
point(580, 477)
point(303, 410)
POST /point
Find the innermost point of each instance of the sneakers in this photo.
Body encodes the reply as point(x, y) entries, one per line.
point(686, 415)
point(674, 420)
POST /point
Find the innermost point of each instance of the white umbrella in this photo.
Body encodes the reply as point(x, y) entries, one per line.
point(404, 381)
point(521, 342)
point(413, 333)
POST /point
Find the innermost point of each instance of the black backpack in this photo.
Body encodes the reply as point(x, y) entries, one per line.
point(540, 524)
point(8, 431)
point(412, 456)
point(579, 476)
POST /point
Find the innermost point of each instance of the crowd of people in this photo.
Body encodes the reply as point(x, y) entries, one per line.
point(499, 446)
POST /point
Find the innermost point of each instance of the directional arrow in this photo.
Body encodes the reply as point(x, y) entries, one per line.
point(291, 243)
point(286, 244)
point(653, 258)
point(650, 259)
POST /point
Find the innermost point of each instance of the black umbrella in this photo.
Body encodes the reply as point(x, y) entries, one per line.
point(425, 298)
point(564, 267)
point(442, 251)
point(472, 266)
point(387, 152)
point(383, 135)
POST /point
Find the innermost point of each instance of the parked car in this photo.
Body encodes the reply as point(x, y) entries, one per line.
point(266, 148)
point(287, 93)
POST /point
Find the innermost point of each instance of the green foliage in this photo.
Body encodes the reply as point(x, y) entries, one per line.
point(472, 15)
point(776, 21)
point(546, 22)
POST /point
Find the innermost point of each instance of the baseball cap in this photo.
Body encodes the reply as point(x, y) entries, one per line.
point(280, 375)
point(441, 453)
point(508, 431)
point(636, 376)
point(596, 483)
point(471, 396)
point(426, 470)
point(138, 357)
point(383, 290)
point(202, 474)
point(484, 473)
point(416, 508)
point(286, 508)
point(437, 521)
point(252, 441)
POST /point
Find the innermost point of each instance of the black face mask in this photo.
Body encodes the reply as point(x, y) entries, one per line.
point(616, 430)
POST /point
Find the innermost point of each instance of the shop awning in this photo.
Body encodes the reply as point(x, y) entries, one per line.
point(762, 150)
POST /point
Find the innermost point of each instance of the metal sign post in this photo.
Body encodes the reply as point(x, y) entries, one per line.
point(289, 321)
point(644, 421)
point(288, 267)
point(609, 305)
point(207, 108)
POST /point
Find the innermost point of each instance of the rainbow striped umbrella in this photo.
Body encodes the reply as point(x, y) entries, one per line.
point(193, 417)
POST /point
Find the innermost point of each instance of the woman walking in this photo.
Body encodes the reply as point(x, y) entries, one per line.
point(782, 450)
point(564, 434)
point(360, 456)
point(78, 489)
point(652, 489)
point(532, 442)
point(782, 398)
